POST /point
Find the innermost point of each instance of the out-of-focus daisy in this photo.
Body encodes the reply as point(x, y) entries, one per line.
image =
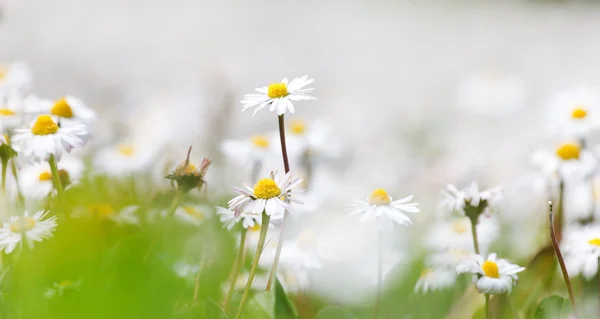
point(567, 160)
point(229, 219)
point(35, 228)
point(313, 140)
point(59, 288)
point(15, 77)
point(194, 215)
point(456, 233)
point(267, 195)
point(35, 180)
point(380, 204)
point(449, 257)
point(575, 112)
point(279, 96)
point(305, 251)
point(581, 249)
point(434, 278)
point(457, 201)
point(255, 149)
point(293, 280)
point(493, 95)
point(67, 110)
point(497, 275)
point(11, 112)
point(44, 138)
point(103, 211)
point(124, 159)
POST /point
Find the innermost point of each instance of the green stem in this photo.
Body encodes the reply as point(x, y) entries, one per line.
point(56, 179)
point(474, 233)
point(487, 306)
point(379, 275)
point(237, 266)
point(176, 201)
point(4, 169)
point(261, 242)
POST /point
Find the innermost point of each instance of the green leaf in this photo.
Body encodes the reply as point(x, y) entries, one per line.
point(553, 307)
point(284, 307)
point(334, 313)
point(261, 306)
point(213, 310)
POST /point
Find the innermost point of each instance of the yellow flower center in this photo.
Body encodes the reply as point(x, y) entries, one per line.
point(569, 151)
point(260, 141)
point(3, 72)
point(6, 112)
point(490, 269)
point(579, 112)
point(277, 90)
point(379, 197)
point(298, 127)
point(266, 188)
point(62, 108)
point(45, 176)
point(193, 212)
point(126, 151)
point(63, 175)
point(254, 228)
point(594, 241)
point(101, 210)
point(22, 224)
point(190, 169)
point(427, 272)
point(44, 125)
point(459, 227)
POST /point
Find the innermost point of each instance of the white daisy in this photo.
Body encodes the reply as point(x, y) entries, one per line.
point(255, 149)
point(456, 233)
point(456, 200)
point(35, 180)
point(11, 112)
point(123, 159)
point(449, 257)
point(306, 251)
point(581, 250)
point(15, 77)
point(279, 96)
point(229, 219)
point(103, 211)
point(497, 275)
point(267, 195)
point(33, 228)
point(575, 112)
point(380, 204)
point(194, 215)
point(312, 140)
point(434, 278)
point(67, 110)
point(44, 138)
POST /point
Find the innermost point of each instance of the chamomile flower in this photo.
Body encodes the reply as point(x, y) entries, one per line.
point(380, 204)
point(193, 215)
point(124, 159)
point(457, 201)
point(229, 219)
point(44, 138)
point(279, 96)
point(581, 249)
point(67, 110)
point(256, 149)
point(15, 77)
point(434, 278)
point(456, 233)
point(35, 180)
point(575, 112)
point(34, 228)
point(307, 140)
point(11, 112)
point(497, 275)
point(306, 251)
point(267, 195)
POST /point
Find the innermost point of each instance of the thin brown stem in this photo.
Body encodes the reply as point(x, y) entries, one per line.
point(286, 163)
point(561, 261)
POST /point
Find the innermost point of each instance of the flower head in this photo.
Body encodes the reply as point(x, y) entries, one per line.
point(229, 219)
point(581, 249)
point(435, 278)
point(34, 228)
point(68, 110)
point(44, 138)
point(266, 195)
point(381, 204)
point(575, 112)
point(187, 176)
point(125, 159)
point(279, 96)
point(35, 180)
point(497, 276)
point(469, 200)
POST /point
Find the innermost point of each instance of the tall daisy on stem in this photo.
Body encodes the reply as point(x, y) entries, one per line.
point(381, 206)
point(44, 140)
point(279, 97)
point(265, 200)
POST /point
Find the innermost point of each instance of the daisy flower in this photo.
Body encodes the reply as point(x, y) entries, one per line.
point(313, 139)
point(279, 96)
point(267, 195)
point(575, 112)
point(581, 249)
point(67, 110)
point(124, 159)
point(34, 228)
point(380, 204)
point(35, 180)
point(434, 278)
point(471, 197)
point(193, 215)
point(306, 251)
point(497, 276)
point(252, 150)
point(103, 211)
point(11, 112)
point(456, 233)
point(44, 138)
point(229, 219)
point(15, 77)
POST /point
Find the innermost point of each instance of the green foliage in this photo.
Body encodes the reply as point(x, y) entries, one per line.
point(553, 307)
point(335, 313)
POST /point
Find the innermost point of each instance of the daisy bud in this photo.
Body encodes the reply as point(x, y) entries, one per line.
point(187, 175)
